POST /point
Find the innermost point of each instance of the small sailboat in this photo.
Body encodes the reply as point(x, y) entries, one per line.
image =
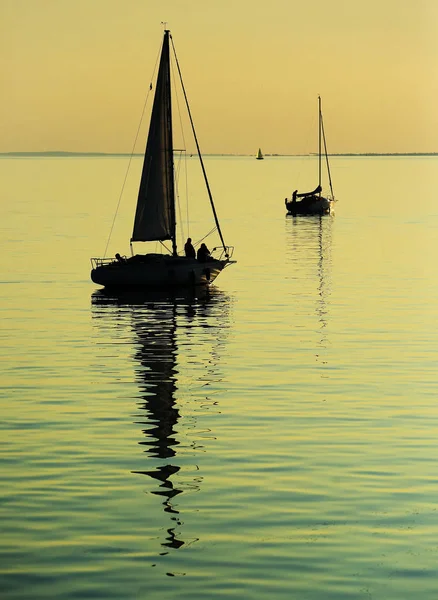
point(314, 203)
point(259, 155)
point(155, 216)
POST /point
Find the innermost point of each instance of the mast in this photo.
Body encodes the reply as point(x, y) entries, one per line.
point(170, 149)
point(216, 220)
point(319, 141)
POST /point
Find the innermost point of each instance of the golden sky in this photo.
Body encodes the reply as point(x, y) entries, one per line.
point(74, 73)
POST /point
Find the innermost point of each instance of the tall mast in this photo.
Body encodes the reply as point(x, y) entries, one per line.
point(319, 142)
point(170, 148)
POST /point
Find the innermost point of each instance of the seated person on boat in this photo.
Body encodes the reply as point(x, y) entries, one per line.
point(203, 254)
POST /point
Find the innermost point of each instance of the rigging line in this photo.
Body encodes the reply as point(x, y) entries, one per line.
point(177, 173)
point(199, 153)
point(187, 194)
point(326, 158)
point(165, 247)
point(184, 146)
point(132, 154)
point(178, 107)
point(206, 235)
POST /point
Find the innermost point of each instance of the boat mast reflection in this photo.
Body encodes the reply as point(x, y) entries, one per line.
point(309, 242)
point(156, 373)
point(324, 258)
point(160, 322)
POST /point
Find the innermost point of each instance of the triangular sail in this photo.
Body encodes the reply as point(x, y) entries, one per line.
point(155, 214)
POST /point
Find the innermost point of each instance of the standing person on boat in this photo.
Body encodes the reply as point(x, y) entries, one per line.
point(203, 253)
point(189, 249)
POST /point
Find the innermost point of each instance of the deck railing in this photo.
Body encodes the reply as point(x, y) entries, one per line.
point(220, 252)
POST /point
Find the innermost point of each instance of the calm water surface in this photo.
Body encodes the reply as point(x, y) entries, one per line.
point(273, 438)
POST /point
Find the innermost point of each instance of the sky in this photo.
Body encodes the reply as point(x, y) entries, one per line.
point(74, 74)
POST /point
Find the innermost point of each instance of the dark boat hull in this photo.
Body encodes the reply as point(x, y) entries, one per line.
point(311, 205)
point(156, 271)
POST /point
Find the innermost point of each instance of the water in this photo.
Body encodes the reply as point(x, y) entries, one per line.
point(274, 438)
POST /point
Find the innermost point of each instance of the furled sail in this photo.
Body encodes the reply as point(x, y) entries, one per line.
point(315, 191)
point(155, 213)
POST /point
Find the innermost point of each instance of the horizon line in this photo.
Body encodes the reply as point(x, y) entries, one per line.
point(67, 153)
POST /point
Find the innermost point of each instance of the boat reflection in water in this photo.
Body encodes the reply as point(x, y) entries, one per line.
point(309, 243)
point(162, 324)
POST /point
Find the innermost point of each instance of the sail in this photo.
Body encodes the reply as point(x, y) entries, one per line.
point(259, 154)
point(318, 190)
point(155, 213)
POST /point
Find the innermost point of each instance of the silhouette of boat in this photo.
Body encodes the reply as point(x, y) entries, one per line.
point(155, 218)
point(314, 203)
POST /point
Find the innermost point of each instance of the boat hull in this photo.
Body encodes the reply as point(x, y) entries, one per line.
point(152, 271)
point(311, 205)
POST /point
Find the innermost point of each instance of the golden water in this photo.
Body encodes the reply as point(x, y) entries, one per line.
point(275, 438)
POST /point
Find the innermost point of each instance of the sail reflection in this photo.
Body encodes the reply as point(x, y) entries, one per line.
point(308, 248)
point(161, 323)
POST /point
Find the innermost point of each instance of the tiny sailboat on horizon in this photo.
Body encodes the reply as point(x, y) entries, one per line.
point(259, 155)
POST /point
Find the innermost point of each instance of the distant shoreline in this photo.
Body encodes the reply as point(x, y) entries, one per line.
point(63, 154)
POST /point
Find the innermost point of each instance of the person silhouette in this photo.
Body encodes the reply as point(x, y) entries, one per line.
point(189, 249)
point(203, 253)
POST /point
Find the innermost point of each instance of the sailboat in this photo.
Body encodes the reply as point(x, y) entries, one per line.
point(155, 216)
point(259, 155)
point(314, 203)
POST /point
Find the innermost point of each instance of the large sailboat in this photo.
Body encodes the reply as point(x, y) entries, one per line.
point(155, 216)
point(314, 203)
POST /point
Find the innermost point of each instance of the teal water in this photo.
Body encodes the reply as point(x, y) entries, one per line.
point(273, 438)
